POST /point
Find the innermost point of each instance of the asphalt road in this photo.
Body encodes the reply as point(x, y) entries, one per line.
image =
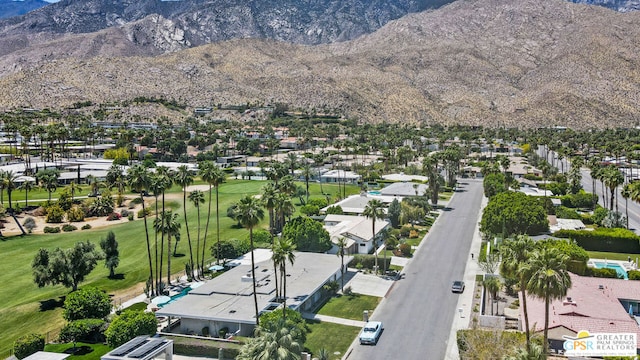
point(418, 310)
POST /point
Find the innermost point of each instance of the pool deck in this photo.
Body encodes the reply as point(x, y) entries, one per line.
point(626, 265)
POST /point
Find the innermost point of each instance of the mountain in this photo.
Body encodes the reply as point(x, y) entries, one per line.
point(482, 62)
point(617, 5)
point(10, 8)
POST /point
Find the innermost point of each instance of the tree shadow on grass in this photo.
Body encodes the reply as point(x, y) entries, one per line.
point(79, 350)
point(179, 255)
point(52, 304)
point(117, 277)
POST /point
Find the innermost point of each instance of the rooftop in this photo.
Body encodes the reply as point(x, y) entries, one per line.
point(404, 189)
point(350, 226)
point(229, 297)
point(355, 204)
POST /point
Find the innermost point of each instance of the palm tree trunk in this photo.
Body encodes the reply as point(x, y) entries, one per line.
point(284, 290)
point(186, 225)
point(198, 244)
point(526, 315)
point(375, 244)
point(168, 260)
point(158, 277)
point(545, 342)
point(161, 242)
point(253, 277)
point(218, 222)
point(146, 232)
point(626, 210)
point(612, 191)
point(206, 231)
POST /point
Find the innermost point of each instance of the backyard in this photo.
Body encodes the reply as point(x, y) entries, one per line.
point(27, 308)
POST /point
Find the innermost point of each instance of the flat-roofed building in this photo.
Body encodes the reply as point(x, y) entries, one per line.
point(356, 230)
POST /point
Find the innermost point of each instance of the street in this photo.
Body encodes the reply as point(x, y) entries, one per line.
point(419, 309)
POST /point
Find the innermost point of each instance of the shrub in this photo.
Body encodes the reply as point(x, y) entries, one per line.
point(27, 345)
point(602, 273)
point(75, 214)
point(319, 202)
point(368, 261)
point(40, 211)
point(335, 210)
point(413, 234)
point(68, 227)
point(141, 212)
point(309, 210)
point(405, 230)
point(87, 303)
point(29, 224)
point(113, 216)
point(86, 227)
point(135, 201)
point(130, 324)
point(405, 249)
point(55, 214)
point(602, 239)
point(130, 217)
point(633, 274)
point(86, 330)
point(125, 213)
point(51, 230)
point(563, 212)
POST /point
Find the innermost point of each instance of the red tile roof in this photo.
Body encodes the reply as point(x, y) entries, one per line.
point(591, 308)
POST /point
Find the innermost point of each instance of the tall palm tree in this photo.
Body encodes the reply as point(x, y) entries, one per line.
point(493, 285)
point(612, 179)
point(549, 280)
point(9, 181)
point(430, 169)
point(163, 181)
point(184, 178)
point(374, 211)
point(269, 198)
point(249, 213)
point(284, 209)
point(197, 198)
point(342, 249)
point(283, 251)
point(139, 181)
point(27, 186)
point(73, 188)
point(167, 224)
point(214, 176)
point(626, 194)
point(307, 172)
point(515, 265)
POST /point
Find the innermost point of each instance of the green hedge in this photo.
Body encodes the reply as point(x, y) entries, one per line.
point(602, 273)
point(368, 261)
point(204, 348)
point(602, 239)
point(633, 274)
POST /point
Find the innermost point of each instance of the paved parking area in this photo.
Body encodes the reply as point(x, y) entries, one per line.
point(369, 284)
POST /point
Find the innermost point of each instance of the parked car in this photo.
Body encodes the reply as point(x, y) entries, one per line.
point(458, 286)
point(371, 332)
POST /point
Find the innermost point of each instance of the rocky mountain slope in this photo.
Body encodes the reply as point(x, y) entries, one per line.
point(617, 5)
point(10, 8)
point(488, 62)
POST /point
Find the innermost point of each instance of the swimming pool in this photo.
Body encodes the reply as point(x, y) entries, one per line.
point(175, 297)
point(374, 192)
point(619, 269)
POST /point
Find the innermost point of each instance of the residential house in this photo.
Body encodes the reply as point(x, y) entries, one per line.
point(357, 231)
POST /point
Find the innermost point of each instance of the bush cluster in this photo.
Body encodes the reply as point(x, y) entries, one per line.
point(633, 274)
point(113, 216)
point(51, 230)
point(86, 227)
point(142, 212)
point(602, 273)
point(368, 261)
point(27, 345)
point(85, 330)
point(68, 227)
point(602, 239)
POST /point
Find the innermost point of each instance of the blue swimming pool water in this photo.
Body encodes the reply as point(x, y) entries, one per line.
point(175, 297)
point(619, 269)
point(374, 192)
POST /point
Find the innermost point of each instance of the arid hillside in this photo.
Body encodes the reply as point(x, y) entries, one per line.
point(491, 62)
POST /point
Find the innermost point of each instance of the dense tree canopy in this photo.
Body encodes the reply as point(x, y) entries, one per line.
point(87, 303)
point(511, 213)
point(307, 234)
point(130, 324)
point(68, 267)
point(494, 184)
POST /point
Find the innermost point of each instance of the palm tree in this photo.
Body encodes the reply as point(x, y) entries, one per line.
point(9, 182)
point(284, 208)
point(73, 188)
point(374, 211)
point(515, 261)
point(307, 172)
point(197, 198)
point(269, 198)
point(163, 181)
point(214, 176)
point(249, 213)
point(27, 186)
point(430, 169)
point(184, 178)
point(139, 181)
point(279, 342)
point(549, 280)
point(342, 247)
point(493, 285)
point(167, 224)
point(283, 249)
point(612, 178)
point(626, 194)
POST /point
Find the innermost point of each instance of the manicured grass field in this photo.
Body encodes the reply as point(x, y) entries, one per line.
point(349, 306)
point(25, 308)
point(612, 256)
point(84, 351)
point(333, 337)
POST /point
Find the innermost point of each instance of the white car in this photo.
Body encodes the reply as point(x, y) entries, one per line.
point(371, 332)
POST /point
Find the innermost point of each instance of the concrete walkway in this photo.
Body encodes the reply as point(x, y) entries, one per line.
point(465, 300)
point(332, 319)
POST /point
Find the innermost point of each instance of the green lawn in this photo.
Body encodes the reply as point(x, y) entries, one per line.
point(349, 306)
point(333, 337)
point(84, 351)
point(26, 308)
point(612, 256)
